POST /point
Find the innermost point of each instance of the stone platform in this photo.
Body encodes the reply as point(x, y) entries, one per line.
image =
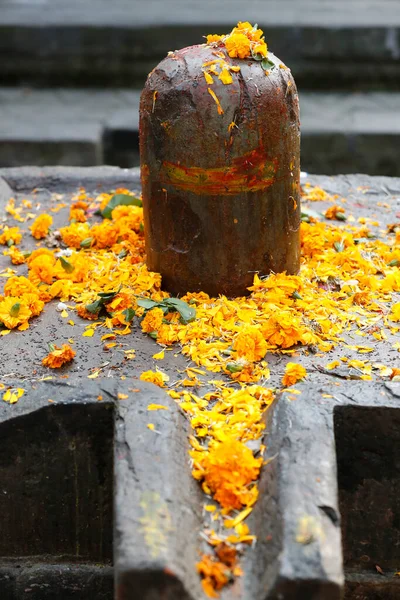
point(95, 505)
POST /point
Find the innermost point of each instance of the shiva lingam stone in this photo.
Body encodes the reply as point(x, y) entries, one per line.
point(220, 170)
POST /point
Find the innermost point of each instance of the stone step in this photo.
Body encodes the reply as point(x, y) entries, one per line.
point(352, 43)
point(341, 132)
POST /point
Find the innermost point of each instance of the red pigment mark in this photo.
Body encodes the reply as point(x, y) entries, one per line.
point(251, 172)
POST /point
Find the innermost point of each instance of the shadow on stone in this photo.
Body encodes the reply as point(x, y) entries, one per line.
point(56, 473)
point(368, 460)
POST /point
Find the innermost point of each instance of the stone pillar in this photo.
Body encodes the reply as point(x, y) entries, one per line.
point(220, 170)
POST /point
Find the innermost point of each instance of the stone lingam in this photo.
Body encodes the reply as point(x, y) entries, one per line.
point(220, 165)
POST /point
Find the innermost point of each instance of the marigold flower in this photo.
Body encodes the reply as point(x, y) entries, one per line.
point(228, 469)
point(17, 286)
point(250, 344)
point(73, 235)
point(40, 226)
point(261, 48)
point(293, 373)
point(78, 215)
point(34, 303)
point(58, 357)
point(10, 236)
point(41, 268)
point(13, 312)
point(395, 313)
point(152, 320)
point(156, 377)
point(212, 38)
point(238, 45)
point(167, 335)
point(105, 235)
point(215, 575)
point(17, 257)
point(335, 212)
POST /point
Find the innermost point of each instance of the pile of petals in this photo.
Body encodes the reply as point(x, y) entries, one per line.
point(349, 282)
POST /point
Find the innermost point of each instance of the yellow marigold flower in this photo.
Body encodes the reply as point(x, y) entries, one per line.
point(238, 45)
point(78, 215)
point(250, 344)
point(215, 575)
point(261, 48)
point(293, 373)
point(334, 212)
point(17, 286)
point(74, 234)
point(40, 226)
point(167, 335)
point(13, 312)
point(152, 320)
point(10, 236)
point(156, 377)
point(283, 331)
point(211, 38)
point(105, 235)
point(34, 303)
point(41, 268)
point(58, 356)
point(228, 469)
point(85, 314)
point(17, 257)
point(395, 314)
point(244, 26)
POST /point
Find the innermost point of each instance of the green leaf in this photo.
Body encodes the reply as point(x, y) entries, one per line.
point(339, 246)
point(123, 253)
point(394, 263)
point(118, 200)
point(86, 243)
point(66, 265)
point(234, 367)
point(257, 57)
point(52, 347)
point(153, 334)
point(95, 307)
point(147, 303)
point(309, 212)
point(10, 243)
point(129, 313)
point(341, 216)
point(141, 227)
point(296, 296)
point(14, 312)
point(267, 64)
point(188, 313)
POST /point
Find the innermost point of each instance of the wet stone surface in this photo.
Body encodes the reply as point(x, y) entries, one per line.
point(129, 503)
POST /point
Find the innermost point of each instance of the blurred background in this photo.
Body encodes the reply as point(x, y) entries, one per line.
point(71, 72)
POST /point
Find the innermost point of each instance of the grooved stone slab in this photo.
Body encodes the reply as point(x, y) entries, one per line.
point(80, 471)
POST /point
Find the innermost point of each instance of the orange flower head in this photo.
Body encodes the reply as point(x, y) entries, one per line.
point(212, 38)
point(58, 357)
point(293, 373)
point(73, 235)
point(238, 45)
point(250, 344)
point(152, 320)
point(40, 226)
point(228, 469)
point(17, 286)
point(14, 312)
point(10, 236)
